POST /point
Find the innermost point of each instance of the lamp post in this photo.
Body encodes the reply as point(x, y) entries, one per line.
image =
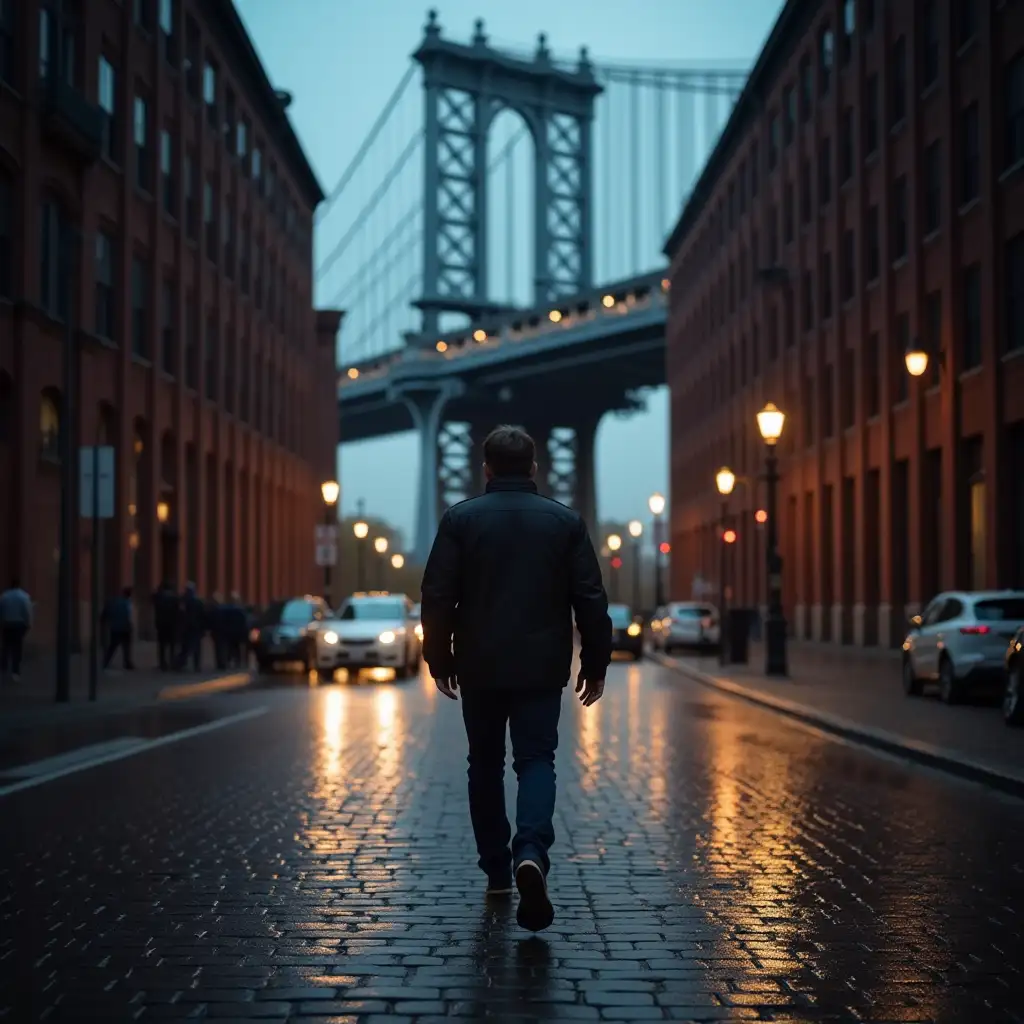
point(770, 421)
point(636, 531)
point(614, 543)
point(397, 560)
point(329, 491)
point(725, 481)
point(361, 530)
point(380, 545)
point(656, 503)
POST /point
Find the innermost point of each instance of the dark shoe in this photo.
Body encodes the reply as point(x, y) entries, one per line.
point(534, 912)
point(499, 887)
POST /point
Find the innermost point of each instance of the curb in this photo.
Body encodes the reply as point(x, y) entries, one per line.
point(876, 739)
point(219, 684)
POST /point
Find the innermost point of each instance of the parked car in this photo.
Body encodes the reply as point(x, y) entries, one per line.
point(1013, 704)
point(370, 631)
point(960, 642)
point(286, 632)
point(627, 631)
point(686, 624)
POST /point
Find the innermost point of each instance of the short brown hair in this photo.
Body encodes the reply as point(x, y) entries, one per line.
point(509, 451)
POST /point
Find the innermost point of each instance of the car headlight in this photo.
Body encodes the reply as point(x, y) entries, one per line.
point(387, 637)
point(634, 629)
point(418, 630)
point(330, 637)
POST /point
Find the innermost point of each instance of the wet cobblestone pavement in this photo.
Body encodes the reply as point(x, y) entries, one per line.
point(713, 863)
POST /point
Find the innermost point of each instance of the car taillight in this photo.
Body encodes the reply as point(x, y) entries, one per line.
point(707, 622)
point(974, 630)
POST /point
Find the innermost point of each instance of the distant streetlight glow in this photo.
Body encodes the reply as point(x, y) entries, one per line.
point(479, 335)
point(656, 503)
point(770, 421)
point(442, 346)
point(725, 481)
point(380, 545)
point(397, 560)
point(916, 359)
point(360, 529)
point(614, 542)
point(636, 528)
point(352, 373)
point(330, 490)
point(555, 315)
point(608, 301)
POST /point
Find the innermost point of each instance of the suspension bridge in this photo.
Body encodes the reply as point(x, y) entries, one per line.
point(496, 245)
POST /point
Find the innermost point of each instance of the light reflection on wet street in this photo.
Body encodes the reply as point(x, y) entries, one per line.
point(712, 863)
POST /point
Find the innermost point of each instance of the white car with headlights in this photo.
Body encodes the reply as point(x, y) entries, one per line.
point(371, 631)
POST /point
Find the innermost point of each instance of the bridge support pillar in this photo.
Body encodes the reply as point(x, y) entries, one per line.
point(586, 475)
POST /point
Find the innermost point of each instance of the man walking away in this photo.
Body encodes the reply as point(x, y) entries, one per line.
point(15, 622)
point(236, 628)
point(507, 572)
point(118, 617)
point(165, 611)
point(193, 626)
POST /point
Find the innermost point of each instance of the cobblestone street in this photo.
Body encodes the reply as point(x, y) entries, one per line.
point(713, 862)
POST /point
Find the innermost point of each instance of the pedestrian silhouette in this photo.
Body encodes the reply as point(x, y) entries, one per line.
point(507, 572)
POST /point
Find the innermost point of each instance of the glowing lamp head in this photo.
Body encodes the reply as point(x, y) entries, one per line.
point(636, 528)
point(761, 516)
point(397, 560)
point(163, 511)
point(725, 481)
point(380, 545)
point(360, 529)
point(916, 359)
point(656, 503)
point(729, 536)
point(634, 629)
point(330, 490)
point(614, 542)
point(770, 421)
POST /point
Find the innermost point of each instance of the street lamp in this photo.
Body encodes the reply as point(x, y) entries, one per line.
point(613, 543)
point(636, 530)
point(329, 491)
point(380, 545)
point(361, 530)
point(397, 560)
point(725, 481)
point(656, 503)
point(770, 421)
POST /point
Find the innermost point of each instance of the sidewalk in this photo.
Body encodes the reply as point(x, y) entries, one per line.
point(858, 694)
point(31, 703)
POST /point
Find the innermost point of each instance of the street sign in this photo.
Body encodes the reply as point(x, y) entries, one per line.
point(325, 540)
point(101, 458)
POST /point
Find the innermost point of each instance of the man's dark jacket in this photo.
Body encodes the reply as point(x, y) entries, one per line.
point(507, 572)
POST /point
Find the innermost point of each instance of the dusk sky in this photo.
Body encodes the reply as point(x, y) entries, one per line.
point(342, 60)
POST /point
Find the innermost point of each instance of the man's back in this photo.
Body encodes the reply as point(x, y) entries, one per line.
point(507, 572)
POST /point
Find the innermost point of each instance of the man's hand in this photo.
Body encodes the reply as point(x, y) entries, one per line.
point(590, 690)
point(448, 686)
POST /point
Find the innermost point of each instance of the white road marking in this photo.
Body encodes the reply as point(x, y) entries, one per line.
point(124, 750)
point(72, 758)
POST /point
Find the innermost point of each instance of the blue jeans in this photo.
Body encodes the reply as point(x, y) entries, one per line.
point(532, 717)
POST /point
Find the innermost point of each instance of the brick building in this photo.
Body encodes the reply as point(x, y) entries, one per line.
point(867, 194)
point(152, 186)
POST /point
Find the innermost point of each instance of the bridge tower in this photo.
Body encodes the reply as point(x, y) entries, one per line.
point(465, 87)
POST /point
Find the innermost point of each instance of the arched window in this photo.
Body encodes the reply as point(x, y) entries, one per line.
point(54, 258)
point(49, 424)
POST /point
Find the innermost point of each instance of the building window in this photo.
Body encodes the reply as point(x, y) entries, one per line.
point(210, 220)
point(54, 281)
point(143, 173)
point(871, 117)
point(932, 188)
point(230, 364)
point(846, 146)
point(754, 158)
point(773, 142)
point(210, 92)
point(826, 285)
point(847, 389)
point(257, 164)
point(806, 89)
point(827, 404)
point(805, 191)
point(773, 333)
point(229, 120)
point(168, 335)
point(1015, 112)
point(167, 171)
point(8, 35)
point(902, 338)
point(809, 394)
point(824, 171)
point(191, 341)
point(228, 228)
point(970, 155)
point(930, 44)
point(191, 201)
point(872, 245)
point(107, 96)
point(971, 284)
point(140, 306)
point(899, 218)
point(967, 20)
point(141, 13)
point(789, 111)
point(49, 26)
point(257, 277)
point(773, 235)
point(933, 333)
point(849, 27)
point(6, 234)
point(243, 257)
point(848, 271)
point(787, 213)
point(105, 276)
point(245, 391)
point(1015, 293)
point(242, 142)
point(167, 38)
point(826, 59)
point(872, 376)
point(50, 425)
point(193, 60)
point(808, 297)
point(898, 96)
point(210, 358)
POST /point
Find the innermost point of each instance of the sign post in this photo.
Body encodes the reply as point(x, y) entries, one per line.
point(96, 502)
point(325, 539)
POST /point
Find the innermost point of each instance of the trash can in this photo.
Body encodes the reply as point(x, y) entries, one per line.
point(738, 635)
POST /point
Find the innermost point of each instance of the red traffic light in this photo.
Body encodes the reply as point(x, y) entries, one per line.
point(761, 516)
point(664, 547)
point(729, 536)
point(616, 562)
